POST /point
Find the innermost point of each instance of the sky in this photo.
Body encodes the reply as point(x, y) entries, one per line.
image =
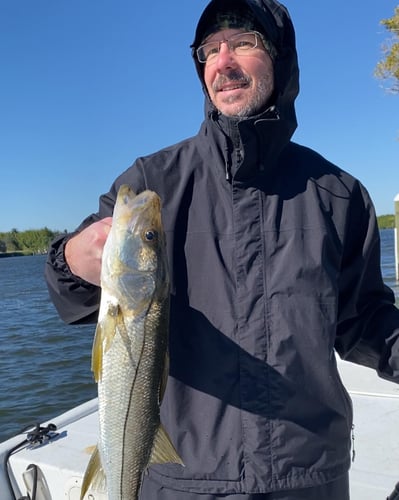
point(87, 86)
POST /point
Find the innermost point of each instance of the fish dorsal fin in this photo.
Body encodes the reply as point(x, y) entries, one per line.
point(105, 333)
point(163, 450)
point(94, 476)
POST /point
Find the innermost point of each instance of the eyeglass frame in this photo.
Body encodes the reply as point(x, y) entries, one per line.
point(258, 36)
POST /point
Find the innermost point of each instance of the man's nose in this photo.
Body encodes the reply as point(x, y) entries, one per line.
point(225, 57)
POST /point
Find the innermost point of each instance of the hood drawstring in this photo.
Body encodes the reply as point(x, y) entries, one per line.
point(227, 165)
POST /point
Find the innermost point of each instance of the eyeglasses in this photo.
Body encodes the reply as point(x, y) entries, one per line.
point(240, 44)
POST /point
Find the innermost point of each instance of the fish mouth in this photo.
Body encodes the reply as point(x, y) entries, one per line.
point(138, 213)
point(145, 198)
point(128, 196)
point(146, 202)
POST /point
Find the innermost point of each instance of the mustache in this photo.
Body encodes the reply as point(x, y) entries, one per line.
point(233, 76)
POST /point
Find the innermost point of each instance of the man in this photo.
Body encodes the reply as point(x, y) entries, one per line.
point(274, 258)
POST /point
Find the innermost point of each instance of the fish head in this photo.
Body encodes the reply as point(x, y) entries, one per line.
point(134, 259)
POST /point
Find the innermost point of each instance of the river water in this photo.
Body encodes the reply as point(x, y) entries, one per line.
point(45, 364)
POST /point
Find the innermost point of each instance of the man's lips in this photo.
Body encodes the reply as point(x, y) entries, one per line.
point(232, 86)
point(226, 83)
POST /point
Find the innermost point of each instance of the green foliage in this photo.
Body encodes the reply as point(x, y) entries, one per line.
point(36, 241)
point(388, 68)
point(386, 221)
point(32, 241)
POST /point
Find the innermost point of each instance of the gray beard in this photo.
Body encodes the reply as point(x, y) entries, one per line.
point(258, 103)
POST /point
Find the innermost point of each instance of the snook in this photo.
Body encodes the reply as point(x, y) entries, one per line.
point(130, 348)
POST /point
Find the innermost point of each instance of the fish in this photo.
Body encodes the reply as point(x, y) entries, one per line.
point(130, 349)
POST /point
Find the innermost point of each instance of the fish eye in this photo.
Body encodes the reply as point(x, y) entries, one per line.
point(150, 235)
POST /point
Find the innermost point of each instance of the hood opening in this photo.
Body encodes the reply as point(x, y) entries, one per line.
point(272, 20)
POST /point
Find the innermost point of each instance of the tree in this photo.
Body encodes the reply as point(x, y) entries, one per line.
point(30, 241)
point(388, 68)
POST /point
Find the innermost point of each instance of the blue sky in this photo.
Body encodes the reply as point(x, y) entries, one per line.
point(89, 85)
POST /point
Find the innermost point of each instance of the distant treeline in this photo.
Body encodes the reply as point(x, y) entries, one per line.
point(386, 221)
point(37, 241)
point(33, 241)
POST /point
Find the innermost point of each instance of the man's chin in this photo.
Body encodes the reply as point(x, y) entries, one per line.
point(233, 108)
point(236, 111)
point(240, 109)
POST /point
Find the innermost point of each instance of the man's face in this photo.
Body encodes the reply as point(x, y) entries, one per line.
point(238, 85)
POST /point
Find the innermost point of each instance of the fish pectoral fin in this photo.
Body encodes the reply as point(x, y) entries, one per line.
point(94, 476)
point(97, 354)
point(163, 450)
point(105, 333)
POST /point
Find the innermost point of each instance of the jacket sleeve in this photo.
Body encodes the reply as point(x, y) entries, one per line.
point(76, 300)
point(368, 321)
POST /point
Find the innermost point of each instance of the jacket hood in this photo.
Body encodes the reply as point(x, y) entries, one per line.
point(275, 24)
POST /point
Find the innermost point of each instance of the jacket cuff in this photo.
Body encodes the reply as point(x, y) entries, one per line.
point(58, 261)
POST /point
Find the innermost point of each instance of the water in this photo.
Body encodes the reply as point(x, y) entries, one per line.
point(388, 260)
point(45, 364)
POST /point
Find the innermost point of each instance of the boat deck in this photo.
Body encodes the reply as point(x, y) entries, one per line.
point(63, 459)
point(374, 472)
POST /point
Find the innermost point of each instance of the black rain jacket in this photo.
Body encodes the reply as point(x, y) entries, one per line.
point(275, 262)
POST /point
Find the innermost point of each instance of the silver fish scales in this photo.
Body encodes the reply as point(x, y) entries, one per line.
point(130, 348)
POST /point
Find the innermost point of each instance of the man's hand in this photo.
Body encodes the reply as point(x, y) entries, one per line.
point(84, 251)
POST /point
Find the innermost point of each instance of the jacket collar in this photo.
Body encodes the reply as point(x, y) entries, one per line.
point(248, 146)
